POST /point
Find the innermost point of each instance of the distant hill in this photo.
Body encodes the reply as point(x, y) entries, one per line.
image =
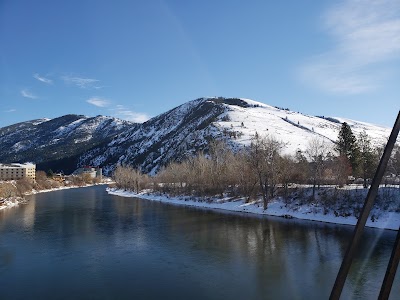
point(188, 128)
point(57, 143)
point(72, 140)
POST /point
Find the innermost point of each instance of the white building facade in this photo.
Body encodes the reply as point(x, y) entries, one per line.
point(93, 172)
point(16, 171)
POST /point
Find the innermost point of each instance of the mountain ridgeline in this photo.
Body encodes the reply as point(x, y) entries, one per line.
point(57, 143)
point(70, 141)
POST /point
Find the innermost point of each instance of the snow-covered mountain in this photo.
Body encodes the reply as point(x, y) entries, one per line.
point(57, 143)
point(73, 140)
point(184, 130)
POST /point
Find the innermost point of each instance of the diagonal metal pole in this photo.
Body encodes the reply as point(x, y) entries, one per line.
point(369, 202)
point(391, 270)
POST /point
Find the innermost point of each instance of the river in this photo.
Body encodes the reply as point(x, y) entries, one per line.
point(86, 244)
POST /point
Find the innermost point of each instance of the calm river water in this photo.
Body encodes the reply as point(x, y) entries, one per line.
point(86, 244)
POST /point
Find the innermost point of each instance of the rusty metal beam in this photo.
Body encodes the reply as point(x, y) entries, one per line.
point(391, 270)
point(369, 202)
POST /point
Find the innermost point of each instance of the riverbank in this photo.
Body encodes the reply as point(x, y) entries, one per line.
point(66, 188)
point(277, 207)
point(16, 200)
point(10, 202)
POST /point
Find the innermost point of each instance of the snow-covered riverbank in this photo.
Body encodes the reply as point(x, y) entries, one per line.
point(10, 202)
point(63, 188)
point(387, 220)
point(15, 201)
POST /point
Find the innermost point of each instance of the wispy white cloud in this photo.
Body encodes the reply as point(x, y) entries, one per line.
point(133, 116)
point(42, 79)
point(99, 102)
point(119, 111)
point(27, 94)
point(123, 113)
point(366, 35)
point(10, 110)
point(83, 83)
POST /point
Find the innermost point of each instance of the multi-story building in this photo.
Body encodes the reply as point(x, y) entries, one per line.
point(15, 171)
point(93, 172)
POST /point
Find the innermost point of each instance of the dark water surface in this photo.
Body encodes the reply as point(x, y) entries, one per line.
point(86, 244)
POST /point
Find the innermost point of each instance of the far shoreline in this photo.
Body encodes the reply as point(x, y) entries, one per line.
point(276, 208)
point(17, 200)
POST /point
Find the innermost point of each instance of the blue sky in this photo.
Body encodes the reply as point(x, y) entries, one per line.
point(137, 59)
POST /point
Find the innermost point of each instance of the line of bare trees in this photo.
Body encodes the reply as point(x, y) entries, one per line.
point(258, 170)
point(20, 187)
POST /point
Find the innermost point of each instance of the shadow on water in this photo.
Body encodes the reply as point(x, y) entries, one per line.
point(84, 243)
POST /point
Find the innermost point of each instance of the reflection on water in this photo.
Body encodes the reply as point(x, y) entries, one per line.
point(84, 243)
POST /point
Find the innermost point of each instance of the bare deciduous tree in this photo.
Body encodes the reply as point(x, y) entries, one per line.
point(316, 153)
point(286, 169)
point(129, 178)
point(263, 158)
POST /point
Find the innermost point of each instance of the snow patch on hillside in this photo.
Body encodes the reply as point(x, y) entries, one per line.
point(294, 129)
point(40, 121)
point(65, 130)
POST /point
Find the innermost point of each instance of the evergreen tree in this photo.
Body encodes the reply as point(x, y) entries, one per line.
point(367, 157)
point(50, 173)
point(394, 162)
point(347, 146)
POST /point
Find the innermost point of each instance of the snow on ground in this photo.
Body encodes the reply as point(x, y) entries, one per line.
point(65, 130)
point(387, 220)
point(15, 201)
point(295, 127)
point(40, 121)
point(11, 202)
